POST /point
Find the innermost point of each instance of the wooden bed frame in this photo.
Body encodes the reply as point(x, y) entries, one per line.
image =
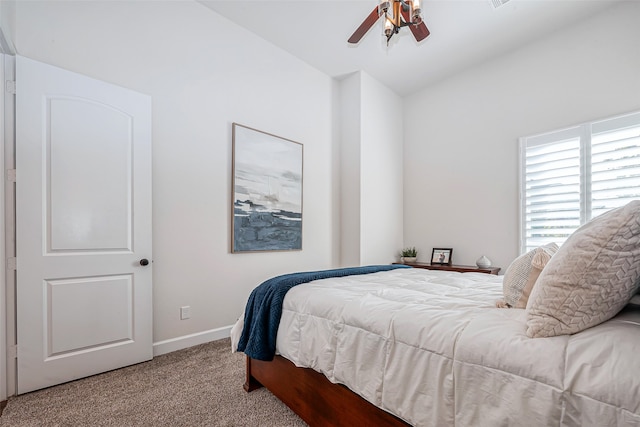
point(318, 401)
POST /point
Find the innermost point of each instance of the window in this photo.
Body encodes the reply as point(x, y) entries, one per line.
point(572, 175)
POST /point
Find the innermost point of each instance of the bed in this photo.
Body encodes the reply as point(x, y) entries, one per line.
point(431, 348)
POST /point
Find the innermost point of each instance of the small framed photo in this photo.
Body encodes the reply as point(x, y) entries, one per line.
point(441, 256)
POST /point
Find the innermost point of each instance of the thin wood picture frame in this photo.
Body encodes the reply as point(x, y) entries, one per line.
point(266, 192)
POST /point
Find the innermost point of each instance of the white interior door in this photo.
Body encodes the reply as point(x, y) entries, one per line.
point(83, 227)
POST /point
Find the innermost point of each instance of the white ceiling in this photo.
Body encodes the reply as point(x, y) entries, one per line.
point(463, 33)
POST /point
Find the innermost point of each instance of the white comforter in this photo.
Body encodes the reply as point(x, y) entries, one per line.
point(431, 348)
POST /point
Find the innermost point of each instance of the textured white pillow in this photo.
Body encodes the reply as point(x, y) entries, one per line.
point(521, 275)
point(591, 277)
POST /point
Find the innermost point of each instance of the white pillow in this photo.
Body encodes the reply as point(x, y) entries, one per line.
point(591, 277)
point(521, 275)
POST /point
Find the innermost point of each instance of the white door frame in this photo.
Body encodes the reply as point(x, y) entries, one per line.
point(8, 367)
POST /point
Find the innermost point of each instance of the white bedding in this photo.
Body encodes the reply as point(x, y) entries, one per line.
point(431, 348)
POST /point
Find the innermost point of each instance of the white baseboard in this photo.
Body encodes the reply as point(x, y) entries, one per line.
point(186, 341)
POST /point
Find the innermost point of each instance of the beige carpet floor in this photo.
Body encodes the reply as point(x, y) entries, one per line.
point(197, 386)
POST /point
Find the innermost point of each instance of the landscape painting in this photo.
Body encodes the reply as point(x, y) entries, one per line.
point(267, 192)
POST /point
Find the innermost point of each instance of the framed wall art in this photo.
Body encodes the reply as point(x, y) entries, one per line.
point(441, 256)
point(267, 192)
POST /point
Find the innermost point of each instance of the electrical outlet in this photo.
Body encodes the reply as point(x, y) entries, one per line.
point(185, 312)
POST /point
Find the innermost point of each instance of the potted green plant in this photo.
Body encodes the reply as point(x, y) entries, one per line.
point(408, 255)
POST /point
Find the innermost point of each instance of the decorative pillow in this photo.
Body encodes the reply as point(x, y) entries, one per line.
point(522, 274)
point(591, 277)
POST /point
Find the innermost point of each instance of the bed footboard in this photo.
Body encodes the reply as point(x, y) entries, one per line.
point(313, 397)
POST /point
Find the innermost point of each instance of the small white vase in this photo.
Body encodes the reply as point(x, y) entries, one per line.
point(409, 259)
point(483, 262)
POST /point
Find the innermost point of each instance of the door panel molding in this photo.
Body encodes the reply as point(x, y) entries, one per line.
point(88, 313)
point(91, 214)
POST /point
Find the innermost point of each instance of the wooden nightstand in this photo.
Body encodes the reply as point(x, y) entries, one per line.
point(459, 268)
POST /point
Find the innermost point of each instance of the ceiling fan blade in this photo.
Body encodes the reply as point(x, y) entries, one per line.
point(365, 26)
point(420, 31)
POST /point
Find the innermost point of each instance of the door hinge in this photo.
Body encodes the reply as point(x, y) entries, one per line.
point(12, 263)
point(10, 86)
point(11, 175)
point(12, 352)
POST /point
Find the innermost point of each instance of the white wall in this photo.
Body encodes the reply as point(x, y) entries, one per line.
point(461, 135)
point(381, 198)
point(371, 171)
point(203, 73)
point(350, 148)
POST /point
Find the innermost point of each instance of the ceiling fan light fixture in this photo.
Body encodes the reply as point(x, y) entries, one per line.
point(388, 27)
point(416, 17)
point(403, 13)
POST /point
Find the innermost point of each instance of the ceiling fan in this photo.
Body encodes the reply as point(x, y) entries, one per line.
point(397, 14)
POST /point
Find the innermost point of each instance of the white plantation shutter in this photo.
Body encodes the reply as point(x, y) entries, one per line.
point(551, 188)
point(615, 163)
point(572, 175)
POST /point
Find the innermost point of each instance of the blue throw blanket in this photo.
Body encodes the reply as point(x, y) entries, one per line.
point(264, 307)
